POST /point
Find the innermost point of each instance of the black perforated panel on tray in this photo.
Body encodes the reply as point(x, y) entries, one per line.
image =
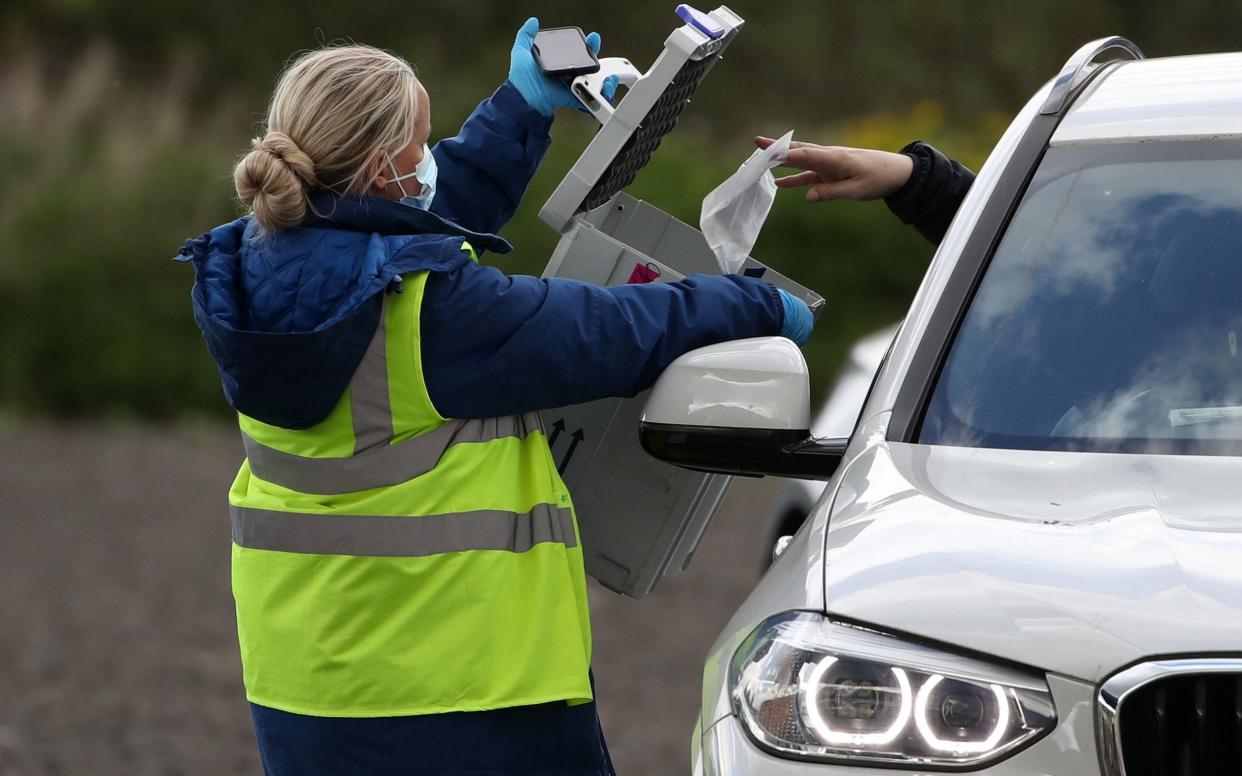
point(658, 122)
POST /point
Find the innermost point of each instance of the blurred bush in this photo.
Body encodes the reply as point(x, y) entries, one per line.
point(102, 186)
point(123, 120)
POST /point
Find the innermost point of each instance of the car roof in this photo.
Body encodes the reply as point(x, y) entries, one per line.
point(1192, 97)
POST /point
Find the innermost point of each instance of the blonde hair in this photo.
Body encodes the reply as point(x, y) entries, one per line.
point(332, 111)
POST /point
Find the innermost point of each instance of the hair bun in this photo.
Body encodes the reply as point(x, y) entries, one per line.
point(332, 112)
point(281, 146)
point(272, 180)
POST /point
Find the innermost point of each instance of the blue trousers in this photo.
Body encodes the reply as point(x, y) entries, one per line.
point(550, 739)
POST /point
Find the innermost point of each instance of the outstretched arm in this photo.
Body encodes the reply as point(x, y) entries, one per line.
point(498, 345)
point(935, 190)
point(484, 169)
point(920, 185)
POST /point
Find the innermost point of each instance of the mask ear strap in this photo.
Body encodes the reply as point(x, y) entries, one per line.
point(397, 177)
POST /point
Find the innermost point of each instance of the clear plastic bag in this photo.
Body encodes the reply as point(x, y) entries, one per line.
point(734, 212)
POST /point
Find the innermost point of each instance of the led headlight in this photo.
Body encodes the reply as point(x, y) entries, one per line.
point(809, 688)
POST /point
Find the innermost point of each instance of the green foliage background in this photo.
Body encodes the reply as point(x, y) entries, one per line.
point(122, 120)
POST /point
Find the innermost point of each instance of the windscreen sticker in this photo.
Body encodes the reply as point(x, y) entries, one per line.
point(1193, 415)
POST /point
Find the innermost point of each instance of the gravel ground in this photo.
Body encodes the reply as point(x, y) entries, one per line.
point(117, 643)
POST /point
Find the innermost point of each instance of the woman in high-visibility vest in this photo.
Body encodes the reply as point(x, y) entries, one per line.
point(406, 565)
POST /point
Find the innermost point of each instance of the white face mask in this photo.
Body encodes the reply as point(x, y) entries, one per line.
point(425, 173)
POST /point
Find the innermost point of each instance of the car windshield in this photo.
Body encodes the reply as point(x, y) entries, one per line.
point(1110, 316)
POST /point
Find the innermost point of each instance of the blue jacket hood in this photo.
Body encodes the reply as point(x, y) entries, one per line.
point(288, 316)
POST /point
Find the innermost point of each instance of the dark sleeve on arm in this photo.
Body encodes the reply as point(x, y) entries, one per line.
point(483, 171)
point(497, 345)
point(930, 199)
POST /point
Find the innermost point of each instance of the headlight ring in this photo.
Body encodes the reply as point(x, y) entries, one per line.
point(809, 688)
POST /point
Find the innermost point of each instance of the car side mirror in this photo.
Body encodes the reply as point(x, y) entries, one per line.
point(740, 407)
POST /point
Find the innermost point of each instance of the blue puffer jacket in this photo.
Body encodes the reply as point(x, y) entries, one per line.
point(287, 316)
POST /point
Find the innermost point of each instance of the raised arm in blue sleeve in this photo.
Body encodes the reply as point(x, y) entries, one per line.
point(498, 345)
point(485, 168)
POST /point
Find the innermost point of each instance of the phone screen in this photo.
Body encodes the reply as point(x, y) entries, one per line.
point(563, 49)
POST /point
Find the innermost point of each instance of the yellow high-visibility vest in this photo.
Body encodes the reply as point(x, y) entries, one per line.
point(389, 561)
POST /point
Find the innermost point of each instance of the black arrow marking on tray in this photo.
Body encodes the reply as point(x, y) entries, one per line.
point(578, 436)
point(557, 428)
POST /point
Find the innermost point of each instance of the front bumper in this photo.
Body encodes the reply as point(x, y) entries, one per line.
point(1069, 750)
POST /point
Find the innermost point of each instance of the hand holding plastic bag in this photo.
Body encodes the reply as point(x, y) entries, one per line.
point(734, 212)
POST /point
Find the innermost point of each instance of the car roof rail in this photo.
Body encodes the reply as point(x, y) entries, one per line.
point(1079, 68)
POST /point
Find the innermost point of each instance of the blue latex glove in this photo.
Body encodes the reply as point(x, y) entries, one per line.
point(542, 92)
point(798, 320)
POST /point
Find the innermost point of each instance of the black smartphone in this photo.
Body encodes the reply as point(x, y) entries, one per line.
point(563, 52)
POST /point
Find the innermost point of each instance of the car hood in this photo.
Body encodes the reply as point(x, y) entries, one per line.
point(1078, 563)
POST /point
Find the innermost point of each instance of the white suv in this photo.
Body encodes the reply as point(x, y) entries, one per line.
point(1028, 557)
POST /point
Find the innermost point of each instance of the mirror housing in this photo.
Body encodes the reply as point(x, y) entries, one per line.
point(740, 407)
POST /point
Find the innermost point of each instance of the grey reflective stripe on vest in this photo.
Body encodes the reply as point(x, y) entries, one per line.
point(382, 466)
point(376, 462)
point(263, 529)
point(368, 392)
